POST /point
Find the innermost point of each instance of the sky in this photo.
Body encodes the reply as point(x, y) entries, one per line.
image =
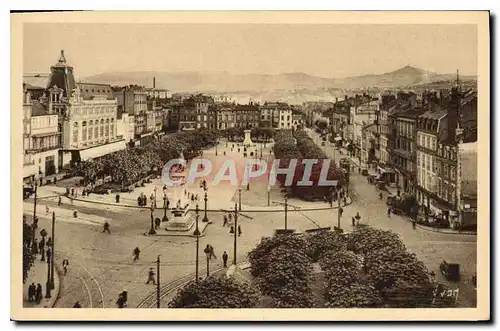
point(325, 50)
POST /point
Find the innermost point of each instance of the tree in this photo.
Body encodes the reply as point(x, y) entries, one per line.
point(28, 257)
point(353, 296)
point(324, 242)
point(216, 292)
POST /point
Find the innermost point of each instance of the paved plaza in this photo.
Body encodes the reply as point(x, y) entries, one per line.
point(101, 264)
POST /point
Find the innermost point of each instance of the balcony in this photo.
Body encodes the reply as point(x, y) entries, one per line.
point(41, 149)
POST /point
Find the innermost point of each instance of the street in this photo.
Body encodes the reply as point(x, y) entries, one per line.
point(101, 264)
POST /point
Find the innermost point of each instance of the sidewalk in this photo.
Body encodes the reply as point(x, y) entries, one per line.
point(38, 275)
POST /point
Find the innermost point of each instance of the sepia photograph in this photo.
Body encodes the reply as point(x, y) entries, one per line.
point(269, 165)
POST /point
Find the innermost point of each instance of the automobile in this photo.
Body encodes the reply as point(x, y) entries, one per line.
point(27, 192)
point(364, 172)
point(391, 199)
point(451, 271)
point(323, 143)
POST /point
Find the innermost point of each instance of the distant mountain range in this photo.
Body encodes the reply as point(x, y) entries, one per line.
point(275, 87)
point(192, 81)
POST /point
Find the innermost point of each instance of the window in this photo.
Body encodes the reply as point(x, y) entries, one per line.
point(101, 134)
point(445, 170)
point(452, 172)
point(75, 132)
point(84, 130)
point(106, 128)
point(428, 163)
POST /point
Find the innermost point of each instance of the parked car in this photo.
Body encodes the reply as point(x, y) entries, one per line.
point(364, 172)
point(451, 271)
point(27, 192)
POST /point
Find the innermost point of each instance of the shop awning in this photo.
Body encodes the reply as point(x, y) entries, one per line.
point(384, 170)
point(337, 138)
point(101, 150)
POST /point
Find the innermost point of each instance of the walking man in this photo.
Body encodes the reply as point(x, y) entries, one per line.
point(380, 195)
point(341, 211)
point(65, 264)
point(224, 259)
point(137, 251)
point(31, 292)
point(225, 221)
point(59, 201)
point(207, 252)
point(106, 228)
point(353, 222)
point(212, 253)
point(239, 231)
point(389, 212)
point(151, 276)
point(49, 255)
point(357, 217)
point(38, 293)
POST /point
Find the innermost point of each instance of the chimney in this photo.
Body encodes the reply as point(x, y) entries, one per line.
point(336, 99)
point(154, 82)
point(453, 112)
point(345, 97)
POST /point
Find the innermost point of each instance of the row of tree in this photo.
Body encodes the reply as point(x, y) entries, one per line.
point(368, 268)
point(131, 165)
point(256, 133)
point(299, 146)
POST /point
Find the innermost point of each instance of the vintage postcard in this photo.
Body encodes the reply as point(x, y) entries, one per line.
point(259, 166)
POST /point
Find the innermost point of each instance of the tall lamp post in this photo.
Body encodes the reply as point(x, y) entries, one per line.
point(34, 210)
point(286, 212)
point(239, 193)
point(158, 282)
point(235, 231)
point(248, 177)
point(152, 229)
point(338, 212)
point(165, 218)
point(205, 218)
point(197, 234)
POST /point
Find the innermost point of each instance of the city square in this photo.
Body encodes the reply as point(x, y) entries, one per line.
point(143, 191)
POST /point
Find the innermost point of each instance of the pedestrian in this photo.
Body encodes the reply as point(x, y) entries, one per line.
point(47, 210)
point(357, 217)
point(35, 223)
point(345, 201)
point(151, 276)
point(330, 201)
point(49, 242)
point(59, 202)
point(49, 255)
point(106, 228)
point(38, 294)
point(192, 198)
point(230, 217)
point(231, 230)
point(77, 305)
point(136, 253)
point(72, 191)
point(207, 252)
point(34, 247)
point(157, 223)
point(353, 222)
point(31, 292)
point(414, 224)
point(121, 302)
point(41, 245)
point(380, 195)
point(389, 212)
point(239, 231)
point(225, 221)
point(168, 204)
point(65, 264)
point(224, 259)
point(212, 253)
point(341, 211)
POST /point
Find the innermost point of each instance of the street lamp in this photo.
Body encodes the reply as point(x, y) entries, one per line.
point(152, 229)
point(286, 211)
point(35, 178)
point(205, 218)
point(248, 178)
point(197, 234)
point(235, 231)
point(165, 218)
point(155, 195)
point(338, 212)
point(239, 193)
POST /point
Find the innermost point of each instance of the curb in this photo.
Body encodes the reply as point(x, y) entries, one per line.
point(210, 210)
point(431, 229)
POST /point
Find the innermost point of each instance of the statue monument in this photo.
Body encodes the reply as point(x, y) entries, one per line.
point(247, 142)
point(181, 219)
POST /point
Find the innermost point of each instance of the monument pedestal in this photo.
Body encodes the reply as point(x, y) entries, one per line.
point(180, 220)
point(247, 142)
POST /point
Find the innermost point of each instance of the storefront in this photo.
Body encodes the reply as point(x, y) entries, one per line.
point(387, 175)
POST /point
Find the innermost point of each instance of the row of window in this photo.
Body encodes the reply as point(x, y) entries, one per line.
point(427, 141)
point(94, 131)
point(94, 111)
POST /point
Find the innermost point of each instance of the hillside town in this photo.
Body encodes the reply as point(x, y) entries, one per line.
point(404, 173)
